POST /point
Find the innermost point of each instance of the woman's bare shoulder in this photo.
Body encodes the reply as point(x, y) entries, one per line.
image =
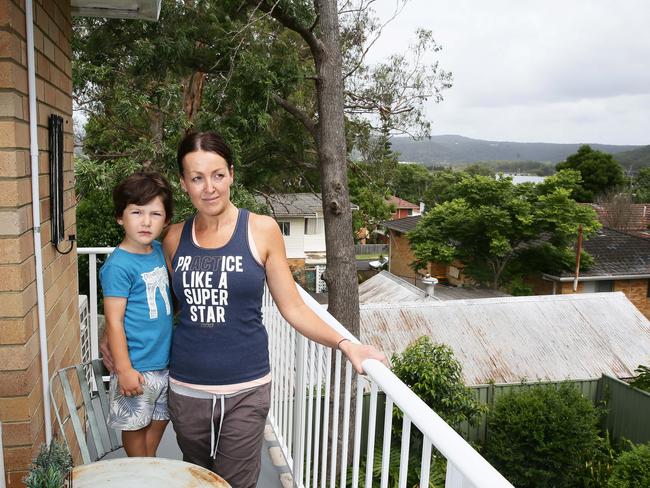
point(172, 236)
point(262, 222)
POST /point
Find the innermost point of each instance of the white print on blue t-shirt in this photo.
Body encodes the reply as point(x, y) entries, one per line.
point(156, 280)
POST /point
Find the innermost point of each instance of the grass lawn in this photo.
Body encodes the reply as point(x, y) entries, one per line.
point(362, 257)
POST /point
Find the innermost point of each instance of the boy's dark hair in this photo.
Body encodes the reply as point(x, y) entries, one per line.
point(139, 189)
point(203, 141)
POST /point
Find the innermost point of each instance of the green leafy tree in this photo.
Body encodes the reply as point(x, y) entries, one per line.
point(488, 224)
point(641, 186)
point(642, 381)
point(441, 186)
point(600, 172)
point(411, 182)
point(632, 469)
point(541, 436)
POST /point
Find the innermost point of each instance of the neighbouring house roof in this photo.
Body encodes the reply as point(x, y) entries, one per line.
point(616, 254)
point(294, 204)
point(403, 225)
point(632, 218)
point(117, 9)
point(510, 339)
point(385, 287)
point(401, 203)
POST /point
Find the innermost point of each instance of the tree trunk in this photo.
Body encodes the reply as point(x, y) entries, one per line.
point(192, 96)
point(341, 273)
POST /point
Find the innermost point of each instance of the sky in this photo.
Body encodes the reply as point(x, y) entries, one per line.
point(564, 71)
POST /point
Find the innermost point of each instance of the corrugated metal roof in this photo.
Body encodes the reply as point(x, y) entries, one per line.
point(507, 340)
point(385, 287)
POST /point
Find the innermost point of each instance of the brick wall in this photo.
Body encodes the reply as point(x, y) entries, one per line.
point(21, 400)
point(401, 256)
point(637, 292)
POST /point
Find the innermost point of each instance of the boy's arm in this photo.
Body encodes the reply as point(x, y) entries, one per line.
point(130, 381)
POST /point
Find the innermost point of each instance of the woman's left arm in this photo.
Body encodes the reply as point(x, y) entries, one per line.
point(290, 303)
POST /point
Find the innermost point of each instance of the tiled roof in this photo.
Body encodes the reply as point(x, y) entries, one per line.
point(616, 254)
point(294, 204)
point(289, 204)
point(401, 203)
point(633, 217)
point(403, 225)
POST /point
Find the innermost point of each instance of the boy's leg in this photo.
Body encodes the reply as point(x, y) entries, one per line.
point(153, 434)
point(135, 442)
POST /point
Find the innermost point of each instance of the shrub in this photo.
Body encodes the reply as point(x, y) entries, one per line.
point(642, 381)
point(632, 469)
point(541, 436)
point(50, 468)
point(432, 372)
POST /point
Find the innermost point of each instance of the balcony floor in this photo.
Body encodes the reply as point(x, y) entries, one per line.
point(269, 476)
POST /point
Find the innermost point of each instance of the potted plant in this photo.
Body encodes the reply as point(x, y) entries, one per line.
point(51, 468)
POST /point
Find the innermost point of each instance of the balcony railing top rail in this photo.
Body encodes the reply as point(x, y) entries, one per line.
point(312, 409)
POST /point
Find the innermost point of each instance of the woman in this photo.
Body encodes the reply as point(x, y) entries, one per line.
point(219, 261)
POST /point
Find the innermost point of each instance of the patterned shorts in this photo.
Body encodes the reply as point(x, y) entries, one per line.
point(134, 413)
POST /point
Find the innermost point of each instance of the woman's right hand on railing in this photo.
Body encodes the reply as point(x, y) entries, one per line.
point(105, 350)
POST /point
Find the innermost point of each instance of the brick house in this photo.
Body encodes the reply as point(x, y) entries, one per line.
point(38, 284)
point(403, 208)
point(621, 263)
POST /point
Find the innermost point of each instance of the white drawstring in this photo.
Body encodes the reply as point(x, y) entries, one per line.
point(214, 445)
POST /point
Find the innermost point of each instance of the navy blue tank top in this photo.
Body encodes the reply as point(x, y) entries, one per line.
point(219, 338)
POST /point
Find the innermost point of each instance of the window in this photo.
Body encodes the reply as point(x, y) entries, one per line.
point(598, 286)
point(311, 227)
point(285, 228)
point(604, 286)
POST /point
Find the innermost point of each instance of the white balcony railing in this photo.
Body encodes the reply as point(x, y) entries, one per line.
point(311, 408)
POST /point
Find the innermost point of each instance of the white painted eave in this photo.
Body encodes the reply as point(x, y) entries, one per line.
point(117, 9)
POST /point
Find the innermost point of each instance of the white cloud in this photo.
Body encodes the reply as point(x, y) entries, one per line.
point(555, 71)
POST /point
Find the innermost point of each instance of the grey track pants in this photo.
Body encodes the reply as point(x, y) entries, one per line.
point(239, 448)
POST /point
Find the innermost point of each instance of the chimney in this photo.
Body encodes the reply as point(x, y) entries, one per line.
point(429, 285)
point(421, 208)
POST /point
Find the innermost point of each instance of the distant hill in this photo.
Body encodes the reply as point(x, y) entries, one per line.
point(456, 150)
point(635, 159)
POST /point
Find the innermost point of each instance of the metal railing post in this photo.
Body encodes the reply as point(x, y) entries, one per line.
point(94, 333)
point(299, 411)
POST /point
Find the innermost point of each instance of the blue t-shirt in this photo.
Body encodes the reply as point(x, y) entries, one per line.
point(143, 280)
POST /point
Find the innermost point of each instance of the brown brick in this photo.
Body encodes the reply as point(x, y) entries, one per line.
point(18, 330)
point(21, 408)
point(17, 383)
point(11, 105)
point(19, 356)
point(15, 221)
point(14, 163)
point(16, 249)
point(16, 277)
point(10, 46)
point(14, 134)
point(15, 478)
point(23, 433)
point(17, 304)
point(13, 76)
point(15, 192)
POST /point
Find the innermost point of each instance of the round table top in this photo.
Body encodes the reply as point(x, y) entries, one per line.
point(138, 472)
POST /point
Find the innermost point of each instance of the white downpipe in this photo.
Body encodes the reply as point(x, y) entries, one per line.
point(2, 461)
point(36, 213)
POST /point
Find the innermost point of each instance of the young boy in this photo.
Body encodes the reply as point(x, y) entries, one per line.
point(138, 310)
